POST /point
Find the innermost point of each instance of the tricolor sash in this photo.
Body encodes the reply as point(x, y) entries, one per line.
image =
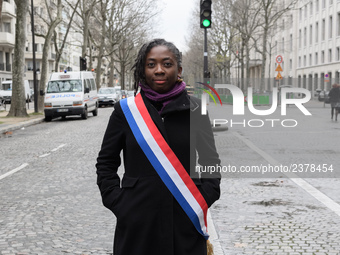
point(165, 162)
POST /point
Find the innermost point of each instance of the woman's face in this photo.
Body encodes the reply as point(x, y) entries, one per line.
point(161, 70)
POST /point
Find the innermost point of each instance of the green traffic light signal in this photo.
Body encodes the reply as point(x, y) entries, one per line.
point(206, 23)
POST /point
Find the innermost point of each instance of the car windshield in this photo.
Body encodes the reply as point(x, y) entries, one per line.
point(64, 86)
point(106, 91)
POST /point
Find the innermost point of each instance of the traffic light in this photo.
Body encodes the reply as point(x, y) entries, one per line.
point(205, 13)
point(82, 64)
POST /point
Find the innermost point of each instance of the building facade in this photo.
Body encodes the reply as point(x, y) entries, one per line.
point(308, 40)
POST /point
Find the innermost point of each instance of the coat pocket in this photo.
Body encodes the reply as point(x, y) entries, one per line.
point(129, 182)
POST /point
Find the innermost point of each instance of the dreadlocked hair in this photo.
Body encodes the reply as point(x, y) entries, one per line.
point(139, 65)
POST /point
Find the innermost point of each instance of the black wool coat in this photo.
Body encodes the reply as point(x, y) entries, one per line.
point(149, 219)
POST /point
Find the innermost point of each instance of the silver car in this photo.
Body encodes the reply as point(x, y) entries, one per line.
point(108, 96)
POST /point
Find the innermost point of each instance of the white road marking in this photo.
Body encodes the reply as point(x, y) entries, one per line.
point(13, 171)
point(44, 155)
point(60, 146)
point(328, 202)
point(53, 150)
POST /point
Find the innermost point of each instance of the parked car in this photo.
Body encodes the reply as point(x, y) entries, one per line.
point(124, 94)
point(6, 91)
point(108, 96)
point(70, 93)
point(324, 97)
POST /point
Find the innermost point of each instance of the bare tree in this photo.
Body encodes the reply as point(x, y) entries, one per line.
point(129, 33)
point(56, 40)
point(120, 26)
point(245, 19)
point(52, 20)
point(18, 107)
point(193, 58)
point(223, 37)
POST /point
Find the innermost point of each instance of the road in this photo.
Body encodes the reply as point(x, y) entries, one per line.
point(51, 203)
point(272, 213)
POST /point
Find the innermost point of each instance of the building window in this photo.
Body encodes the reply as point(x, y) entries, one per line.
point(291, 42)
point(330, 26)
point(316, 32)
point(305, 37)
point(311, 8)
point(316, 58)
point(300, 38)
point(323, 4)
point(305, 11)
point(330, 55)
point(310, 60)
point(300, 13)
point(338, 24)
point(323, 30)
point(310, 34)
point(317, 4)
point(299, 61)
point(290, 64)
point(330, 2)
point(304, 60)
point(7, 27)
point(322, 57)
point(337, 57)
point(283, 45)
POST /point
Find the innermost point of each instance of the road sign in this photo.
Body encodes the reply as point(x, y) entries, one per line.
point(278, 76)
point(278, 68)
point(279, 59)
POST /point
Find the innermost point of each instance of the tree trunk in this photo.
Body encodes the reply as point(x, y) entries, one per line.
point(264, 59)
point(18, 106)
point(112, 71)
point(44, 61)
point(101, 47)
point(122, 75)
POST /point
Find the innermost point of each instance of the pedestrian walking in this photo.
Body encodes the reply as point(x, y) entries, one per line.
point(334, 98)
point(161, 202)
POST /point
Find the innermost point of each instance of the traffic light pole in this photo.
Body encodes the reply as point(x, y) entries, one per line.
point(205, 60)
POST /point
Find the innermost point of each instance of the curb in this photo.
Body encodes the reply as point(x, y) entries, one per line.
point(17, 126)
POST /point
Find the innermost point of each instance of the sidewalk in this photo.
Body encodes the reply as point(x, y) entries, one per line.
point(8, 124)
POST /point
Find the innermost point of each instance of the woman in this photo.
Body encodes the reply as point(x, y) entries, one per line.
point(334, 98)
point(150, 219)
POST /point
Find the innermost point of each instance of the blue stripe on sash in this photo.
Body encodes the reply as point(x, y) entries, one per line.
point(159, 168)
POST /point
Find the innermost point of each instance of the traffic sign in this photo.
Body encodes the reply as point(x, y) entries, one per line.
point(279, 59)
point(279, 68)
point(278, 77)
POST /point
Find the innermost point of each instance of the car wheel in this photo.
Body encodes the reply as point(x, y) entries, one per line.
point(95, 112)
point(84, 115)
point(48, 118)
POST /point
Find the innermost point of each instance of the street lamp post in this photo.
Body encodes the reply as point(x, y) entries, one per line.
point(35, 85)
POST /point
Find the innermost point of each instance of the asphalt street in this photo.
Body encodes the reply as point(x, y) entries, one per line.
point(50, 203)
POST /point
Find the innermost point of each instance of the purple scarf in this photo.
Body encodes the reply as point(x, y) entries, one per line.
point(165, 98)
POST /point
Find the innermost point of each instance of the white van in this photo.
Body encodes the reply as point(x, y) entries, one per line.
point(70, 93)
point(6, 91)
